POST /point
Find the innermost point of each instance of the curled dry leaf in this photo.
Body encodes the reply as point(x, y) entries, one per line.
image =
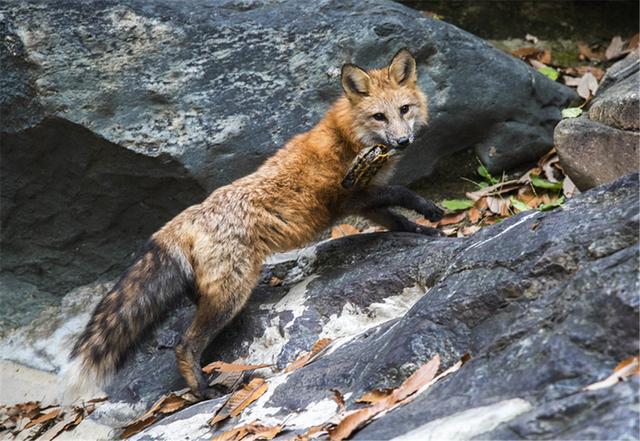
point(221, 366)
point(375, 395)
point(249, 432)
point(166, 404)
point(469, 230)
point(275, 281)
point(624, 369)
point(579, 71)
point(474, 215)
point(499, 206)
point(354, 420)
point(343, 230)
point(587, 86)
point(454, 218)
point(339, 399)
point(239, 400)
point(585, 53)
point(318, 347)
point(427, 223)
point(569, 189)
point(615, 48)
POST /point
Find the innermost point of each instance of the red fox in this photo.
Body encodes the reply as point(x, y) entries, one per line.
point(215, 249)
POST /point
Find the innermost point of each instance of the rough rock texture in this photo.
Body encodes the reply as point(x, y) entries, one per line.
point(545, 302)
point(602, 145)
point(166, 97)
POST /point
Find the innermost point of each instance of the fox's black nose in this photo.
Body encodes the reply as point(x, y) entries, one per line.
point(402, 142)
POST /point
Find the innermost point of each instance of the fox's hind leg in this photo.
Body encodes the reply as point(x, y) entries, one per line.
point(223, 286)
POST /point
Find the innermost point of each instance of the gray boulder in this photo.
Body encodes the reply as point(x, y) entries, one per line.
point(117, 115)
point(602, 145)
point(546, 303)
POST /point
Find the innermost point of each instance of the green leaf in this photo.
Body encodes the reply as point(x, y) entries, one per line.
point(552, 205)
point(483, 184)
point(519, 205)
point(482, 171)
point(550, 72)
point(457, 204)
point(571, 112)
point(537, 181)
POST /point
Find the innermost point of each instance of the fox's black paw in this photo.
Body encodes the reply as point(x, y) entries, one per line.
point(431, 211)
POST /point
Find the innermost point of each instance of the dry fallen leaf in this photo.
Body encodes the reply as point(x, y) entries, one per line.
point(343, 230)
point(166, 404)
point(50, 415)
point(375, 395)
point(569, 189)
point(221, 366)
point(615, 48)
point(427, 223)
point(249, 432)
point(304, 359)
point(339, 399)
point(275, 281)
point(453, 218)
point(474, 215)
point(356, 419)
point(240, 399)
point(137, 426)
point(587, 54)
point(579, 71)
point(498, 206)
point(469, 230)
point(587, 86)
point(626, 368)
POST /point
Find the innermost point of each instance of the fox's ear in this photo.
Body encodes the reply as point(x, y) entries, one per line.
point(402, 68)
point(355, 81)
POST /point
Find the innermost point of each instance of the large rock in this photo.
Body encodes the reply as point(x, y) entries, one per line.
point(115, 115)
point(545, 302)
point(602, 145)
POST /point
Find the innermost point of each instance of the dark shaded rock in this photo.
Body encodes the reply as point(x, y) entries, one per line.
point(541, 315)
point(75, 206)
point(602, 145)
point(592, 153)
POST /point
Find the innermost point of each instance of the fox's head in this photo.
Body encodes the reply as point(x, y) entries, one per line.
point(387, 105)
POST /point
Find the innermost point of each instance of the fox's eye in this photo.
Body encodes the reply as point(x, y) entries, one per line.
point(379, 117)
point(404, 109)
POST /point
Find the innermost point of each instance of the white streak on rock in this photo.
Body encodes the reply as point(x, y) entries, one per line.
point(195, 427)
point(468, 423)
point(353, 321)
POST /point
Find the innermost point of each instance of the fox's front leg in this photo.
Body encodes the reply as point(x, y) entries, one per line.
point(377, 197)
point(395, 222)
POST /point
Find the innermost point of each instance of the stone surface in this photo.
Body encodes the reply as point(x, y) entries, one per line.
point(592, 153)
point(619, 104)
point(602, 144)
point(545, 302)
point(124, 113)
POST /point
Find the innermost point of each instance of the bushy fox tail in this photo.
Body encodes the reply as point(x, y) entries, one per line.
point(148, 289)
